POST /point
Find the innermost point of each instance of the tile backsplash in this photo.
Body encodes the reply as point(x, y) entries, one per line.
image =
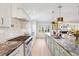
point(16, 30)
point(3, 34)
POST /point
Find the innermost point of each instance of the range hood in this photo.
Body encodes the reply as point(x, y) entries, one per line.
point(20, 16)
point(21, 19)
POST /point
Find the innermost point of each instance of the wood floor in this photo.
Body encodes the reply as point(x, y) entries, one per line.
point(40, 48)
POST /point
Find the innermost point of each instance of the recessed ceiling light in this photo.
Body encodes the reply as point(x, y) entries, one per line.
point(52, 11)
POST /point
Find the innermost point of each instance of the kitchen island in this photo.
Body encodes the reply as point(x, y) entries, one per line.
point(61, 47)
point(15, 44)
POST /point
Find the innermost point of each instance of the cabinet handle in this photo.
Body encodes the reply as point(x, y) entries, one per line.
point(2, 20)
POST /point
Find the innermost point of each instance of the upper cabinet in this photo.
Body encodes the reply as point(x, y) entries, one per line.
point(18, 11)
point(5, 15)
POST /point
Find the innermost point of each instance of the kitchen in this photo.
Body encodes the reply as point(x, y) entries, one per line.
point(22, 25)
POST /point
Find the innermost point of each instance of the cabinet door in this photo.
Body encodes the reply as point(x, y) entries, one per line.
point(21, 50)
point(63, 52)
point(5, 14)
point(56, 49)
point(50, 43)
point(59, 51)
point(18, 52)
point(1, 13)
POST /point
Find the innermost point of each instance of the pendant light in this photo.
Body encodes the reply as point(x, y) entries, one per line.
point(59, 7)
point(60, 18)
point(59, 21)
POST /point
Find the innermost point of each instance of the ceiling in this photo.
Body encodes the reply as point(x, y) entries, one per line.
point(45, 12)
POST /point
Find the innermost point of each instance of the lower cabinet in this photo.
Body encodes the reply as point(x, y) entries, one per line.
point(55, 48)
point(59, 51)
point(24, 49)
point(49, 42)
point(63, 52)
point(18, 52)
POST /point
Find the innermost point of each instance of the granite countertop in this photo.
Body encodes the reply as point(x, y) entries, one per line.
point(70, 47)
point(19, 38)
point(9, 46)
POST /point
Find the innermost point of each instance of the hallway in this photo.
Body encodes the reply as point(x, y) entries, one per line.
point(40, 48)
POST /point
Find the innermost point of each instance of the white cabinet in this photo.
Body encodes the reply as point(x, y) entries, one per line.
point(5, 20)
point(5, 14)
point(56, 49)
point(59, 51)
point(49, 42)
point(64, 52)
point(18, 52)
